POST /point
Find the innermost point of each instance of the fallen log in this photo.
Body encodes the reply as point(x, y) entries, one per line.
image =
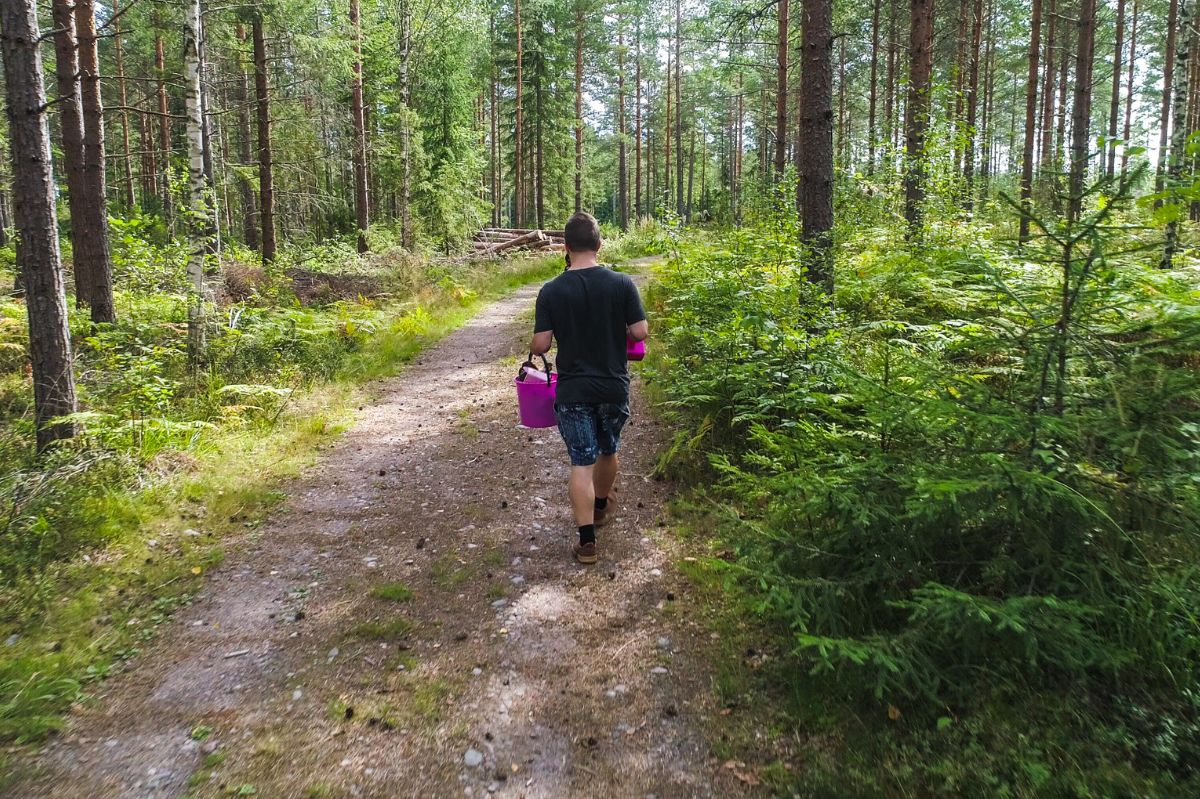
point(519, 241)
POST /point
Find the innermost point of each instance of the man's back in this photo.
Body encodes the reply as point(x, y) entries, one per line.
point(589, 311)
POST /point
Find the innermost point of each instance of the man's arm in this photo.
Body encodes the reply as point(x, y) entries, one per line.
point(540, 343)
point(543, 328)
point(635, 315)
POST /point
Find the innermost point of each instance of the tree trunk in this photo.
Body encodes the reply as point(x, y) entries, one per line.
point(871, 89)
point(679, 207)
point(1060, 130)
point(889, 97)
point(246, 145)
point(1164, 125)
point(361, 199)
point(70, 104)
point(407, 238)
point(539, 153)
point(1046, 145)
point(149, 154)
point(637, 122)
point(518, 164)
point(1179, 135)
point(119, 54)
point(1115, 105)
point(36, 223)
point(816, 166)
point(622, 157)
point(687, 215)
point(972, 104)
point(91, 229)
point(667, 133)
point(164, 123)
point(1129, 89)
point(1081, 113)
point(916, 121)
point(494, 145)
point(986, 123)
point(198, 224)
point(841, 109)
point(266, 164)
point(781, 90)
point(1031, 92)
point(579, 106)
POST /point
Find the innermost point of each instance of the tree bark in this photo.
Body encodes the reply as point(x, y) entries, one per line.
point(1115, 105)
point(667, 133)
point(871, 89)
point(119, 54)
point(266, 161)
point(407, 237)
point(781, 89)
point(1179, 135)
point(622, 157)
point(361, 198)
point(916, 121)
point(70, 122)
point(1081, 114)
point(972, 106)
point(1129, 89)
point(579, 106)
point(518, 164)
point(91, 229)
point(679, 207)
point(1046, 145)
point(198, 224)
point(1031, 94)
point(494, 144)
point(1164, 129)
point(816, 170)
point(164, 122)
point(637, 122)
point(36, 223)
point(246, 145)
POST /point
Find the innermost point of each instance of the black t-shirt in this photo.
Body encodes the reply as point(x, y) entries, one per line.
point(588, 310)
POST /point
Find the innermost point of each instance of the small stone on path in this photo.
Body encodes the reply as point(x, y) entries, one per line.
point(473, 758)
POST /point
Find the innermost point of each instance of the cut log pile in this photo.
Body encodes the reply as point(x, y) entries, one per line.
point(497, 240)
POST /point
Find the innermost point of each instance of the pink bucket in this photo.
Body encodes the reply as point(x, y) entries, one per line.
point(635, 350)
point(535, 395)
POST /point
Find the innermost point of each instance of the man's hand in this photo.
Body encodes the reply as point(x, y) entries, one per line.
point(638, 331)
point(540, 343)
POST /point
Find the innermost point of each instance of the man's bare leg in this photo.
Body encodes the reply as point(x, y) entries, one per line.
point(604, 475)
point(583, 494)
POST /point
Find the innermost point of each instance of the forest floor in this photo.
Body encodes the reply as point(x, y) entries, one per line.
point(410, 623)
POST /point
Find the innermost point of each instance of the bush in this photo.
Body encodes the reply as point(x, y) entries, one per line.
point(945, 496)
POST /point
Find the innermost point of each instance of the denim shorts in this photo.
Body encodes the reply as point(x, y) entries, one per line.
point(591, 429)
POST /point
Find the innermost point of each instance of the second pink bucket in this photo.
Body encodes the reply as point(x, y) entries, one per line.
point(635, 350)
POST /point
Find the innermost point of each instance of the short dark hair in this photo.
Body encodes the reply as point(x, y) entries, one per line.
point(582, 233)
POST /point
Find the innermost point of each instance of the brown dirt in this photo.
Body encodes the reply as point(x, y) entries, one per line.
point(561, 680)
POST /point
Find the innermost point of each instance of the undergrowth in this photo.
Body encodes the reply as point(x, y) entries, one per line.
point(965, 503)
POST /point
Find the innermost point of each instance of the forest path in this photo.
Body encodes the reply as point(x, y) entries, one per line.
point(511, 670)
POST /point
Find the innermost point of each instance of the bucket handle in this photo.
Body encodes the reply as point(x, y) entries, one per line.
point(547, 366)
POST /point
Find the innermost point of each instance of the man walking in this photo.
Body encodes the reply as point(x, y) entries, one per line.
point(591, 311)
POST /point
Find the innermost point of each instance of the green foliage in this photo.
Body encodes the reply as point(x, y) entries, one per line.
point(953, 492)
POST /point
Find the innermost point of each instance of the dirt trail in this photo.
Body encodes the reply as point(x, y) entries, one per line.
point(511, 670)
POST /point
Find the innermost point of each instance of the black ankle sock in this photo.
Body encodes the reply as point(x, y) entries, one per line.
point(587, 534)
point(601, 503)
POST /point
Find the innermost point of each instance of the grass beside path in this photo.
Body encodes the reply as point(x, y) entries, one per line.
point(82, 618)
